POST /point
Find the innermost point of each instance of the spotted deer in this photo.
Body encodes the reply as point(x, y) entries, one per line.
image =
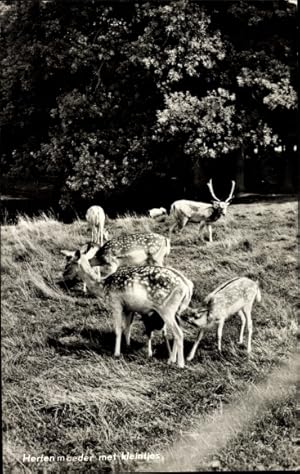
point(184, 211)
point(95, 217)
point(131, 249)
point(147, 290)
point(235, 296)
point(153, 322)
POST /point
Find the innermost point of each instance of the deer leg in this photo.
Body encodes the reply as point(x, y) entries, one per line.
point(219, 333)
point(183, 223)
point(201, 227)
point(118, 320)
point(164, 331)
point(195, 346)
point(118, 331)
point(247, 312)
point(209, 233)
point(168, 314)
point(98, 272)
point(179, 225)
point(150, 353)
point(178, 336)
point(178, 343)
point(101, 229)
point(128, 325)
point(243, 320)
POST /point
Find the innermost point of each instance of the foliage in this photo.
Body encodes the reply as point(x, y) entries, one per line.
point(98, 95)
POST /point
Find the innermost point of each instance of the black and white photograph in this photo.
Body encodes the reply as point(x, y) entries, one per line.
point(149, 208)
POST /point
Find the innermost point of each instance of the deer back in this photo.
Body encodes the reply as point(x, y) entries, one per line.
point(231, 296)
point(195, 211)
point(132, 249)
point(95, 215)
point(144, 288)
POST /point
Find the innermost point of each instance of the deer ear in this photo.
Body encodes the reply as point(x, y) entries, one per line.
point(68, 253)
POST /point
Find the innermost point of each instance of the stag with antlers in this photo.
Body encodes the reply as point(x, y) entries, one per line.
point(184, 211)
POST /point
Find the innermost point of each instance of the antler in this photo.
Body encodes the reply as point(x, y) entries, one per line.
point(210, 187)
point(231, 192)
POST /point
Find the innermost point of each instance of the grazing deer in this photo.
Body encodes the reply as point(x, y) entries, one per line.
point(131, 249)
point(157, 212)
point(235, 296)
point(185, 211)
point(148, 290)
point(95, 217)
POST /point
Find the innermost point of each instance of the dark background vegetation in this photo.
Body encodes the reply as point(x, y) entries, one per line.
point(133, 105)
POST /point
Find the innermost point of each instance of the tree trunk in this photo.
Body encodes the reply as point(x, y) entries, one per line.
point(287, 183)
point(198, 179)
point(240, 170)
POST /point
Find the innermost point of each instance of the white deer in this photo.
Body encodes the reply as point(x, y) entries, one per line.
point(235, 296)
point(131, 249)
point(148, 290)
point(184, 211)
point(157, 212)
point(95, 217)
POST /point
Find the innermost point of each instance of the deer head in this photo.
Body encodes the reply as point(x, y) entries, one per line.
point(198, 317)
point(71, 270)
point(217, 203)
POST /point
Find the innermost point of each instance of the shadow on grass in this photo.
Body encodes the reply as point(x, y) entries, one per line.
point(84, 339)
point(68, 339)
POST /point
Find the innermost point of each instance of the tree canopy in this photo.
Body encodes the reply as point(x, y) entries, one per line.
point(100, 94)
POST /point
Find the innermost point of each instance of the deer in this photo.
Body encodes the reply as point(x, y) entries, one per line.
point(95, 217)
point(148, 290)
point(235, 296)
point(157, 212)
point(154, 322)
point(184, 211)
point(131, 249)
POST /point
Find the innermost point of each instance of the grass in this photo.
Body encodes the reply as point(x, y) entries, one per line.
point(63, 392)
point(215, 440)
point(270, 443)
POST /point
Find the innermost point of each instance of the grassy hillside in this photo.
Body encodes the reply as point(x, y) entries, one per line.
point(65, 395)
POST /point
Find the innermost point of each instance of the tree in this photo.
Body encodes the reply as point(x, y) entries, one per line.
point(99, 95)
point(261, 69)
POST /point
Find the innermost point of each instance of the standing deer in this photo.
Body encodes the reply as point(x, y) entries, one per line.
point(235, 296)
point(132, 249)
point(95, 217)
point(184, 211)
point(148, 290)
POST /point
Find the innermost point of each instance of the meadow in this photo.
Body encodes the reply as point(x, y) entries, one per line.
point(65, 395)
